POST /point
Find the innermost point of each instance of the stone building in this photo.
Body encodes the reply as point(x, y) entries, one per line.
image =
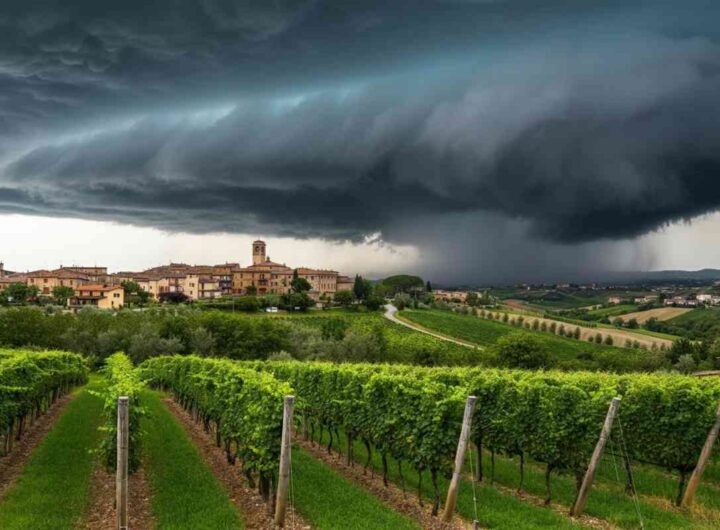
point(269, 277)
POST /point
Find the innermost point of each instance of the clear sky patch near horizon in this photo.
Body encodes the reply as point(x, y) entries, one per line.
point(468, 141)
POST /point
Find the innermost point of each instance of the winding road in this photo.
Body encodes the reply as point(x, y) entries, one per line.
point(390, 314)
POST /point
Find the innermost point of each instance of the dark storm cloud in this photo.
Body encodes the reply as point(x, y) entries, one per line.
point(581, 121)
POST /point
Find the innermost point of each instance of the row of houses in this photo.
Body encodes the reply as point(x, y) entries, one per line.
point(693, 301)
point(94, 285)
point(616, 300)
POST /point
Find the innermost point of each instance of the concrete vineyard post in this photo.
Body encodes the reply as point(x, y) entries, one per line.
point(121, 474)
point(579, 505)
point(284, 475)
point(459, 459)
point(702, 461)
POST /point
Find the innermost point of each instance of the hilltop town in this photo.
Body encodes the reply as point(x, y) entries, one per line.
point(96, 286)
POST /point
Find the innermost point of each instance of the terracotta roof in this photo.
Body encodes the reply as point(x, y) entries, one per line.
point(307, 270)
point(79, 268)
point(13, 278)
point(265, 265)
point(59, 273)
point(98, 287)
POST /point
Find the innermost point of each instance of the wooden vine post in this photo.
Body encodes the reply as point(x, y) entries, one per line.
point(459, 459)
point(284, 475)
point(121, 474)
point(702, 461)
point(579, 505)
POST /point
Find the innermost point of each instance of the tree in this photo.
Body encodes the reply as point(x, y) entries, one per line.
point(130, 287)
point(361, 288)
point(296, 301)
point(300, 285)
point(134, 294)
point(679, 348)
point(608, 340)
point(633, 324)
point(472, 299)
point(17, 292)
point(714, 353)
point(173, 297)
point(576, 333)
point(374, 302)
point(686, 364)
point(403, 283)
point(202, 342)
point(521, 350)
point(62, 294)
point(251, 290)
point(428, 287)
point(248, 303)
point(402, 300)
point(343, 298)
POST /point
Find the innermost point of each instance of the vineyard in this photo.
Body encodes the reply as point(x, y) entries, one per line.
point(204, 445)
point(412, 416)
point(29, 384)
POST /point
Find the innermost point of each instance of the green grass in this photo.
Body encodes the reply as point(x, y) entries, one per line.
point(565, 352)
point(185, 492)
point(642, 331)
point(698, 324)
point(495, 509)
point(330, 502)
point(607, 499)
point(404, 345)
point(52, 491)
point(612, 311)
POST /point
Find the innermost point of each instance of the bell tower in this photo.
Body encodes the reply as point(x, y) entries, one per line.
point(258, 252)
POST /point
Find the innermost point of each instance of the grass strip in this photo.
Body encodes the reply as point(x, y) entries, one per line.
point(607, 500)
point(331, 502)
point(495, 509)
point(186, 494)
point(52, 491)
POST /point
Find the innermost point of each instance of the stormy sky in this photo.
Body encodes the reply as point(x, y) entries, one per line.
point(468, 140)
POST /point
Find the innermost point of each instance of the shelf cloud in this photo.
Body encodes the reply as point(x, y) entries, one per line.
point(578, 122)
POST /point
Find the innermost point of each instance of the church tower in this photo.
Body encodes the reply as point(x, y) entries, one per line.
point(259, 252)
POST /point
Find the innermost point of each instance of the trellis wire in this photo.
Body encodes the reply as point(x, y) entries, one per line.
point(630, 476)
point(472, 472)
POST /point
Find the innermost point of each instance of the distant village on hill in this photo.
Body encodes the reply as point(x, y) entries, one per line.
point(96, 286)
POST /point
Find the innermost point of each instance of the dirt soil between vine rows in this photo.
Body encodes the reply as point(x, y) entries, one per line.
point(247, 499)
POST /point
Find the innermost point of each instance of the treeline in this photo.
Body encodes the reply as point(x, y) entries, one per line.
point(183, 330)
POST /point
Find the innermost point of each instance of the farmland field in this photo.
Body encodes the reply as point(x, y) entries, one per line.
point(565, 351)
point(611, 311)
point(552, 299)
point(661, 313)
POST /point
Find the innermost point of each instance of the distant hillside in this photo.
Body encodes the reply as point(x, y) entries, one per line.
point(668, 275)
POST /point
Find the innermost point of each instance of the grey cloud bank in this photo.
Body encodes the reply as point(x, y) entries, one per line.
point(571, 122)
